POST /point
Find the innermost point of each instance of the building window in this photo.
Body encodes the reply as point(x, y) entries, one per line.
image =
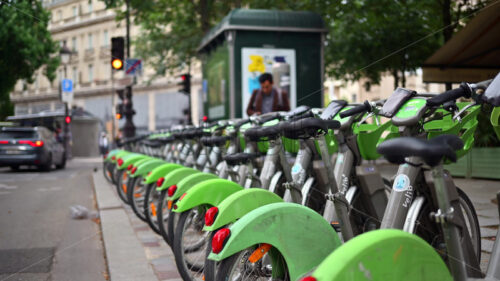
point(73, 44)
point(91, 44)
point(59, 15)
point(105, 38)
point(75, 75)
point(91, 73)
point(75, 11)
point(354, 97)
point(90, 6)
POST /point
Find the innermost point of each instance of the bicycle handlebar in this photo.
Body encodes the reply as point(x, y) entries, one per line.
point(365, 107)
point(464, 90)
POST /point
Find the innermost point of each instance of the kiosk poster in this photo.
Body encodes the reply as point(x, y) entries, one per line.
point(279, 62)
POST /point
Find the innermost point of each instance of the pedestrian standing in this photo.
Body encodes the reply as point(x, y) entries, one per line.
point(103, 143)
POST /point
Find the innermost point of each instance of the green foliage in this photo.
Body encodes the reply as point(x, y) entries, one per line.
point(25, 46)
point(485, 136)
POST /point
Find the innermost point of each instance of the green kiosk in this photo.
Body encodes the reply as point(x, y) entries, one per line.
point(247, 43)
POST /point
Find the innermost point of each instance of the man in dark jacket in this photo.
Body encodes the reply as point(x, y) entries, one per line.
point(267, 98)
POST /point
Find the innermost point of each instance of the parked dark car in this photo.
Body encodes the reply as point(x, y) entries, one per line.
point(36, 146)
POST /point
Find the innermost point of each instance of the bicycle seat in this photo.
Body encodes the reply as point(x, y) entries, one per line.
point(308, 127)
point(214, 140)
point(269, 132)
point(431, 151)
point(240, 158)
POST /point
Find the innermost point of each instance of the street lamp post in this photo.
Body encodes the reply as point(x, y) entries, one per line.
point(65, 54)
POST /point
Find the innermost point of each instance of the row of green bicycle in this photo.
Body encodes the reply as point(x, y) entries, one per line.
point(292, 194)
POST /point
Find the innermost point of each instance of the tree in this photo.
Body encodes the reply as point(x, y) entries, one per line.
point(25, 46)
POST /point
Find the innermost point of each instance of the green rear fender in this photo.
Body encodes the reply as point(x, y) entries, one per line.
point(239, 204)
point(112, 153)
point(386, 254)
point(161, 171)
point(187, 183)
point(138, 163)
point(175, 176)
point(302, 236)
point(210, 192)
point(130, 159)
point(145, 167)
point(122, 154)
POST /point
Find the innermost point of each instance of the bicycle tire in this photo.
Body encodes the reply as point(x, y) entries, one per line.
point(135, 202)
point(150, 210)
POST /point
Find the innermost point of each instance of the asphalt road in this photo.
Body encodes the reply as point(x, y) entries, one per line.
point(39, 240)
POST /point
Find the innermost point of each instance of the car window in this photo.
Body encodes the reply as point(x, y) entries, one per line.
point(6, 135)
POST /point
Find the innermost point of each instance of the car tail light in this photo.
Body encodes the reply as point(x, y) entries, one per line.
point(4, 142)
point(210, 215)
point(160, 181)
point(308, 278)
point(220, 239)
point(120, 161)
point(133, 170)
point(171, 190)
point(37, 143)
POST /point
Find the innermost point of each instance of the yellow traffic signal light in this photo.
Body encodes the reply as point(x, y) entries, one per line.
point(117, 64)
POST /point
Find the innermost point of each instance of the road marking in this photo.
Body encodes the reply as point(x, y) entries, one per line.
point(53, 188)
point(7, 187)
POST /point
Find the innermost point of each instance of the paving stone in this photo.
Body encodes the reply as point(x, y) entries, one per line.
point(488, 232)
point(488, 221)
point(168, 275)
point(490, 213)
point(487, 245)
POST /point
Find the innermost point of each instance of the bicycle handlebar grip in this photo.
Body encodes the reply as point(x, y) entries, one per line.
point(355, 110)
point(463, 91)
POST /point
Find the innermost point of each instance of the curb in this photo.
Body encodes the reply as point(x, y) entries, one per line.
point(124, 252)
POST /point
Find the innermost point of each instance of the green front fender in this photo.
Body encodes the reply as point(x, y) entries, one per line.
point(210, 192)
point(302, 236)
point(145, 167)
point(386, 254)
point(161, 171)
point(187, 183)
point(239, 204)
point(131, 159)
point(176, 176)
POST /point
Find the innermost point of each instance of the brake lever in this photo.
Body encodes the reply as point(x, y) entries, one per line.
point(364, 119)
point(457, 115)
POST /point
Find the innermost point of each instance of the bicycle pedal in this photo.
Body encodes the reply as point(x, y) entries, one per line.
point(335, 225)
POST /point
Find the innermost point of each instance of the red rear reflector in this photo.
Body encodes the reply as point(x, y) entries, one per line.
point(308, 278)
point(183, 195)
point(113, 157)
point(130, 167)
point(120, 162)
point(160, 181)
point(220, 239)
point(133, 170)
point(210, 215)
point(171, 190)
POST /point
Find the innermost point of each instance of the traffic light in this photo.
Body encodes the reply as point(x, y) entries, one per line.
point(68, 119)
point(117, 52)
point(185, 83)
point(119, 111)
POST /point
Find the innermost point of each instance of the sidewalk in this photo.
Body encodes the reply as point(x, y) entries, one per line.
point(133, 250)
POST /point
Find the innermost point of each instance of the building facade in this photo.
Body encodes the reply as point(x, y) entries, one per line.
point(86, 27)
